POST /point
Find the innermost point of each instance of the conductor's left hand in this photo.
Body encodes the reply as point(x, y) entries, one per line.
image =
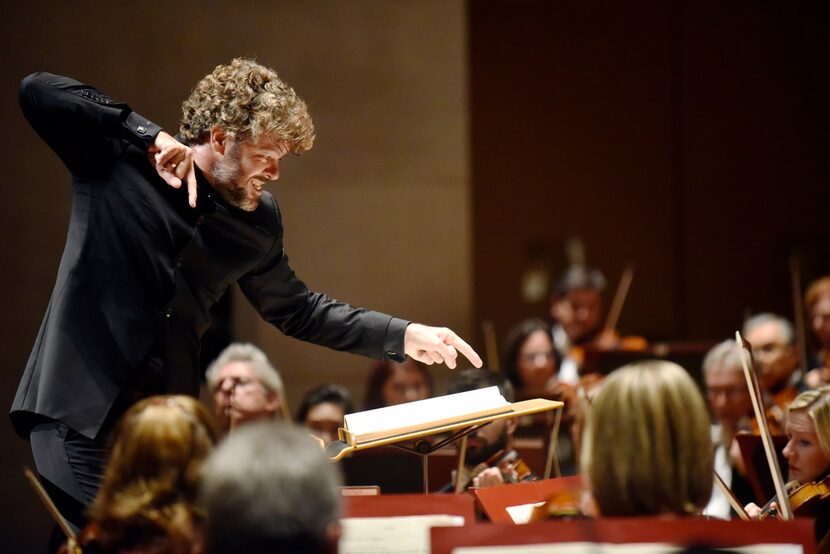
point(432, 345)
point(174, 163)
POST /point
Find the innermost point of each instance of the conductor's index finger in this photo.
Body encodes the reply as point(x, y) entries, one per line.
point(465, 349)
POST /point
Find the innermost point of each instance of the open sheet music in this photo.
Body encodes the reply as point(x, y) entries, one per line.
point(392, 535)
point(432, 412)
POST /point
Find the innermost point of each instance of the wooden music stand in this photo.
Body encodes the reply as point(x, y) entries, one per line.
point(410, 505)
point(410, 438)
point(683, 532)
point(494, 501)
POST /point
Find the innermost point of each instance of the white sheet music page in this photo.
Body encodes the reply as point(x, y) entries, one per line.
point(423, 412)
point(391, 535)
point(629, 548)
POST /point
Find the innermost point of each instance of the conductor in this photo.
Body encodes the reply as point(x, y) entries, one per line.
point(160, 227)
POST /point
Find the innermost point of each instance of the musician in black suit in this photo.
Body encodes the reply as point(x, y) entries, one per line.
point(160, 228)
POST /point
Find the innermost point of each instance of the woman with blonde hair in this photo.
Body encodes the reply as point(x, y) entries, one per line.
point(808, 451)
point(647, 448)
point(146, 500)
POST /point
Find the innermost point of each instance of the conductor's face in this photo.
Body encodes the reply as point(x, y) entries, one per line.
point(242, 167)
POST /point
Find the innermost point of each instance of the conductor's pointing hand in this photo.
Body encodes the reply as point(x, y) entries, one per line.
point(436, 345)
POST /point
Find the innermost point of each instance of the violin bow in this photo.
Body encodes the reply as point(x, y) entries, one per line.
point(760, 416)
point(490, 344)
point(798, 313)
point(50, 506)
point(619, 298)
point(730, 496)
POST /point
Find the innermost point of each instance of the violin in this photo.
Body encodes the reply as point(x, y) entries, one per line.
point(562, 505)
point(807, 500)
point(513, 469)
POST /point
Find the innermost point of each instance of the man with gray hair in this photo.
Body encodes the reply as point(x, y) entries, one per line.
point(244, 385)
point(773, 347)
point(731, 405)
point(270, 488)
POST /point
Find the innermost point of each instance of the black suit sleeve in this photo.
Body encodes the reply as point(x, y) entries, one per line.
point(284, 300)
point(86, 128)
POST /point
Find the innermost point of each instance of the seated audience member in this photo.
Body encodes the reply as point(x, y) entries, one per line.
point(577, 310)
point(490, 458)
point(244, 385)
point(147, 499)
point(322, 410)
point(392, 383)
point(269, 488)
point(731, 408)
point(776, 357)
point(817, 304)
point(647, 449)
point(808, 452)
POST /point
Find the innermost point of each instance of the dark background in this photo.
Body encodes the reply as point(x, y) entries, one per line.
point(689, 138)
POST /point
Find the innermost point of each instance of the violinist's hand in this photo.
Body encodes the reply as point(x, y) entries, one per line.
point(755, 512)
point(817, 377)
point(490, 477)
point(174, 163)
point(608, 339)
point(436, 345)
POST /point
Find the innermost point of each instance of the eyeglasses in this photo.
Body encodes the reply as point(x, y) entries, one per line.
point(533, 357)
point(767, 348)
point(732, 392)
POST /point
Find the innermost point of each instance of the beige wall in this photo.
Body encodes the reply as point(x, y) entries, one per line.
point(376, 214)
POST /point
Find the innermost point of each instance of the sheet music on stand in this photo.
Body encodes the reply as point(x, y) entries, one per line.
point(629, 535)
point(400, 523)
point(454, 415)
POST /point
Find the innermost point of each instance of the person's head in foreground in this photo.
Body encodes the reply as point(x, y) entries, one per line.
point(270, 488)
point(244, 385)
point(647, 448)
point(147, 499)
point(808, 433)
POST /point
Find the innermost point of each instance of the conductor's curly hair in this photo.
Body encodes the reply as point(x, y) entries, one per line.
point(247, 100)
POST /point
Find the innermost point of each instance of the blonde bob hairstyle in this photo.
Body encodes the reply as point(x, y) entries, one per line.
point(816, 403)
point(150, 483)
point(647, 447)
point(248, 101)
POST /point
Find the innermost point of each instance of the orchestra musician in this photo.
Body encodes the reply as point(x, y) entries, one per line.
point(147, 501)
point(776, 357)
point(244, 385)
point(490, 458)
point(647, 448)
point(808, 454)
point(322, 410)
point(576, 307)
point(391, 383)
point(817, 306)
point(269, 488)
point(530, 364)
point(731, 407)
